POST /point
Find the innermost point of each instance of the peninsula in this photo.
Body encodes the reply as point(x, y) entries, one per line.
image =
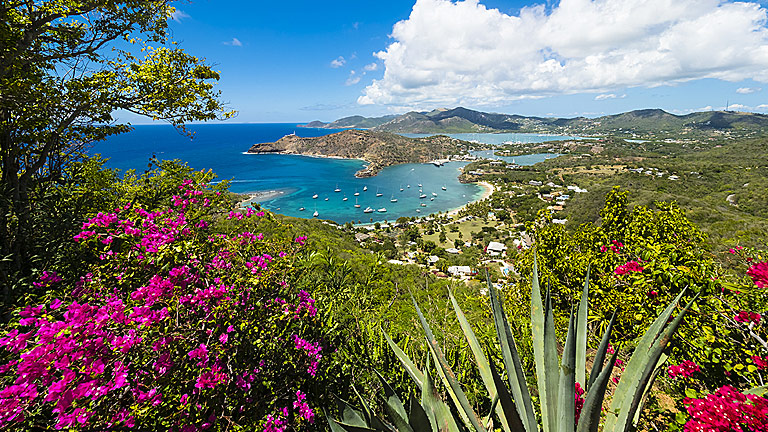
point(378, 149)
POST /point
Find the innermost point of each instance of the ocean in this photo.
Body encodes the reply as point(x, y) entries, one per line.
point(293, 180)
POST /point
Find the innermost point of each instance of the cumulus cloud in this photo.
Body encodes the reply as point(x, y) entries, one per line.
point(234, 42)
point(461, 52)
point(609, 96)
point(371, 67)
point(179, 15)
point(748, 90)
point(339, 62)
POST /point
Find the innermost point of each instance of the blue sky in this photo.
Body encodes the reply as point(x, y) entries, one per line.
point(298, 61)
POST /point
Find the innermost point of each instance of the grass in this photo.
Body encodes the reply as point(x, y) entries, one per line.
point(466, 228)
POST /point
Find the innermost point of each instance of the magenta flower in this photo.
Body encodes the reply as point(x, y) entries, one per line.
point(631, 266)
point(759, 274)
point(684, 369)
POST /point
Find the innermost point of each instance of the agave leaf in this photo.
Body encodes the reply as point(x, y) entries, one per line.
point(350, 415)
point(551, 363)
point(418, 419)
point(448, 375)
point(566, 404)
point(589, 420)
point(488, 421)
point(409, 366)
point(337, 426)
point(630, 380)
point(366, 410)
point(511, 359)
point(393, 402)
point(541, 349)
point(600, 355)
point(581, 335)
point(371, 418)
point(437, 411)
point(657, 368)
point(655, 353)
point(507, 404)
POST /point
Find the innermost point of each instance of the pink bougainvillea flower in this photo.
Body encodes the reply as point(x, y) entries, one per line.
point(759, 274)
point(747, 317)
point(727, 410)
point(631, 266)
point(684, 369)
point(760, 362)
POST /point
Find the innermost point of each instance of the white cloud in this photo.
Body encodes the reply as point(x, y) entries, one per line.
point(460, 52)
point(179, 15)
point(748, 90)
point(762, 107)
point(339, 62)
point(353, 79)
point(371, 67)
point(609, 96)
point(234, 42)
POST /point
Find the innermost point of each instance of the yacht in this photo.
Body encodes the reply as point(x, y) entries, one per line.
point(326, 198)
point(422, 196)
point(345, 198)
point(401, 188)
point(432, 199)
point(356, 204)
point(337, 189)
point(409, 186)
point(423, 204)
point(434, 194)
point(393, 199)
point(418, 211)
point(302, 209)
point(419, 184)
point(314, 196)
point(357, 193)
point(444, 188)
point(382, 210)
point(365, 188)
point(315, 214)
point(368, 210)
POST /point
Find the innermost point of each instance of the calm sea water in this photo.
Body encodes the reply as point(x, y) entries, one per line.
point(295, 179)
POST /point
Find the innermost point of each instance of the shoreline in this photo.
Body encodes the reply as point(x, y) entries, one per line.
point(489, 189)
point(259, 196)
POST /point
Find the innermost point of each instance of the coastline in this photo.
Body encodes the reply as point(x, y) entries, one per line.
point(259, 196)
point(489, 189)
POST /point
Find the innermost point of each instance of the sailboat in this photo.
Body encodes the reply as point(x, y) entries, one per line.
point(382, 210)
point(401, 188)
point(302, 209)
point(444, 188)
point(393, 199)
point(368, 210)
point(419, 184)
point(409, 186)
point(337, 188)
point(345, 198)
point(423, 204)
point(422, 196)
point(315, 214)
point(365, 188)
point(314, 196)
point(434, 194)
point(357, 193)
point(379, 194)
point(356, 204)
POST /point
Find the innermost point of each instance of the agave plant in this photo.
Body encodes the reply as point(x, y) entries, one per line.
point(556, 377)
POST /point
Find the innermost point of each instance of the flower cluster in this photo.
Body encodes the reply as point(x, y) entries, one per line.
point(759, 274)
point(615, 247)
point(727, 410)
point(747, 317)
point(684, 369)
point(157, 329)
point(631, 266)
point(760, 362)
point(579, 401)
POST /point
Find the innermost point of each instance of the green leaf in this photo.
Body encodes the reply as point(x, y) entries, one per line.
point(757, 391)
point(597, 366)
point(409, 366)
point(581, 334)
point(418, 419)
point(512, 363)
point(566, 404)
point(448, 375)
point(542, 349)
point(393, 403)
point(593, 400)
point(437, 411)
point(349, 415)
point(507, 404)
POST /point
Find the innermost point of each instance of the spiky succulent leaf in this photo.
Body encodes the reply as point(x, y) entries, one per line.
point(507, 404)
point(581, 334)
point(448, 376)
point(542, 349)
point(511, 359)
point(417, 418)
point(566, 409)
point(350, 415)
point(411, 368)
point(589, 420)
point(617, 416)
point(602, 349)
point(437, 411)
point(551, 373)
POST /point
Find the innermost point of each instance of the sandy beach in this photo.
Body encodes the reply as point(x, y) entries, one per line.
point(260, 196)
point(489, 189)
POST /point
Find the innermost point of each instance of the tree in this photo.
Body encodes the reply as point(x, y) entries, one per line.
point(65, 68)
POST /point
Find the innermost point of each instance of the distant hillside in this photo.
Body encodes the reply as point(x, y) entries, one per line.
point(380, 149)
point(356, 122)
point(647, 121)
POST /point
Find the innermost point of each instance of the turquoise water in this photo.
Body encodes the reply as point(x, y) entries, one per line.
point(221, 147)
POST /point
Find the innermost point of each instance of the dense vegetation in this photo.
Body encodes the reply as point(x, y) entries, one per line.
point(149, 301)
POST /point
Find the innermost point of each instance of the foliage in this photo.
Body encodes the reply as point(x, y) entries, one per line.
point(65, 68)
point(147, 336)
point(560, 380)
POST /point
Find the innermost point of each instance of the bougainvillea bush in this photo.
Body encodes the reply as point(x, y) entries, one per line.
point(181, 325)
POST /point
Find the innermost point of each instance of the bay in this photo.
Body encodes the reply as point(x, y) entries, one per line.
point(293, 180)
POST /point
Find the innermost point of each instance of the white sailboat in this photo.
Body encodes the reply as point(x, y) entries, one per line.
point(345, 198)
point(393, 199)
point(444, 188)
point(315, 214)
point(365, 188)
point(337, 188)
point(382, 210)
point(423, 204)
point(356, 204)
point(357, 193)
point(434, 194)
point(368, 210)
point(422, 196)
point(379, 194)
point(302, 209)
point(314, 196)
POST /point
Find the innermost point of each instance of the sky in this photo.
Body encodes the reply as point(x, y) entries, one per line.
point(297, 61)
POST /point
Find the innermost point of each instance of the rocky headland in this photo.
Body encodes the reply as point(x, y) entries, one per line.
point(378, 149)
